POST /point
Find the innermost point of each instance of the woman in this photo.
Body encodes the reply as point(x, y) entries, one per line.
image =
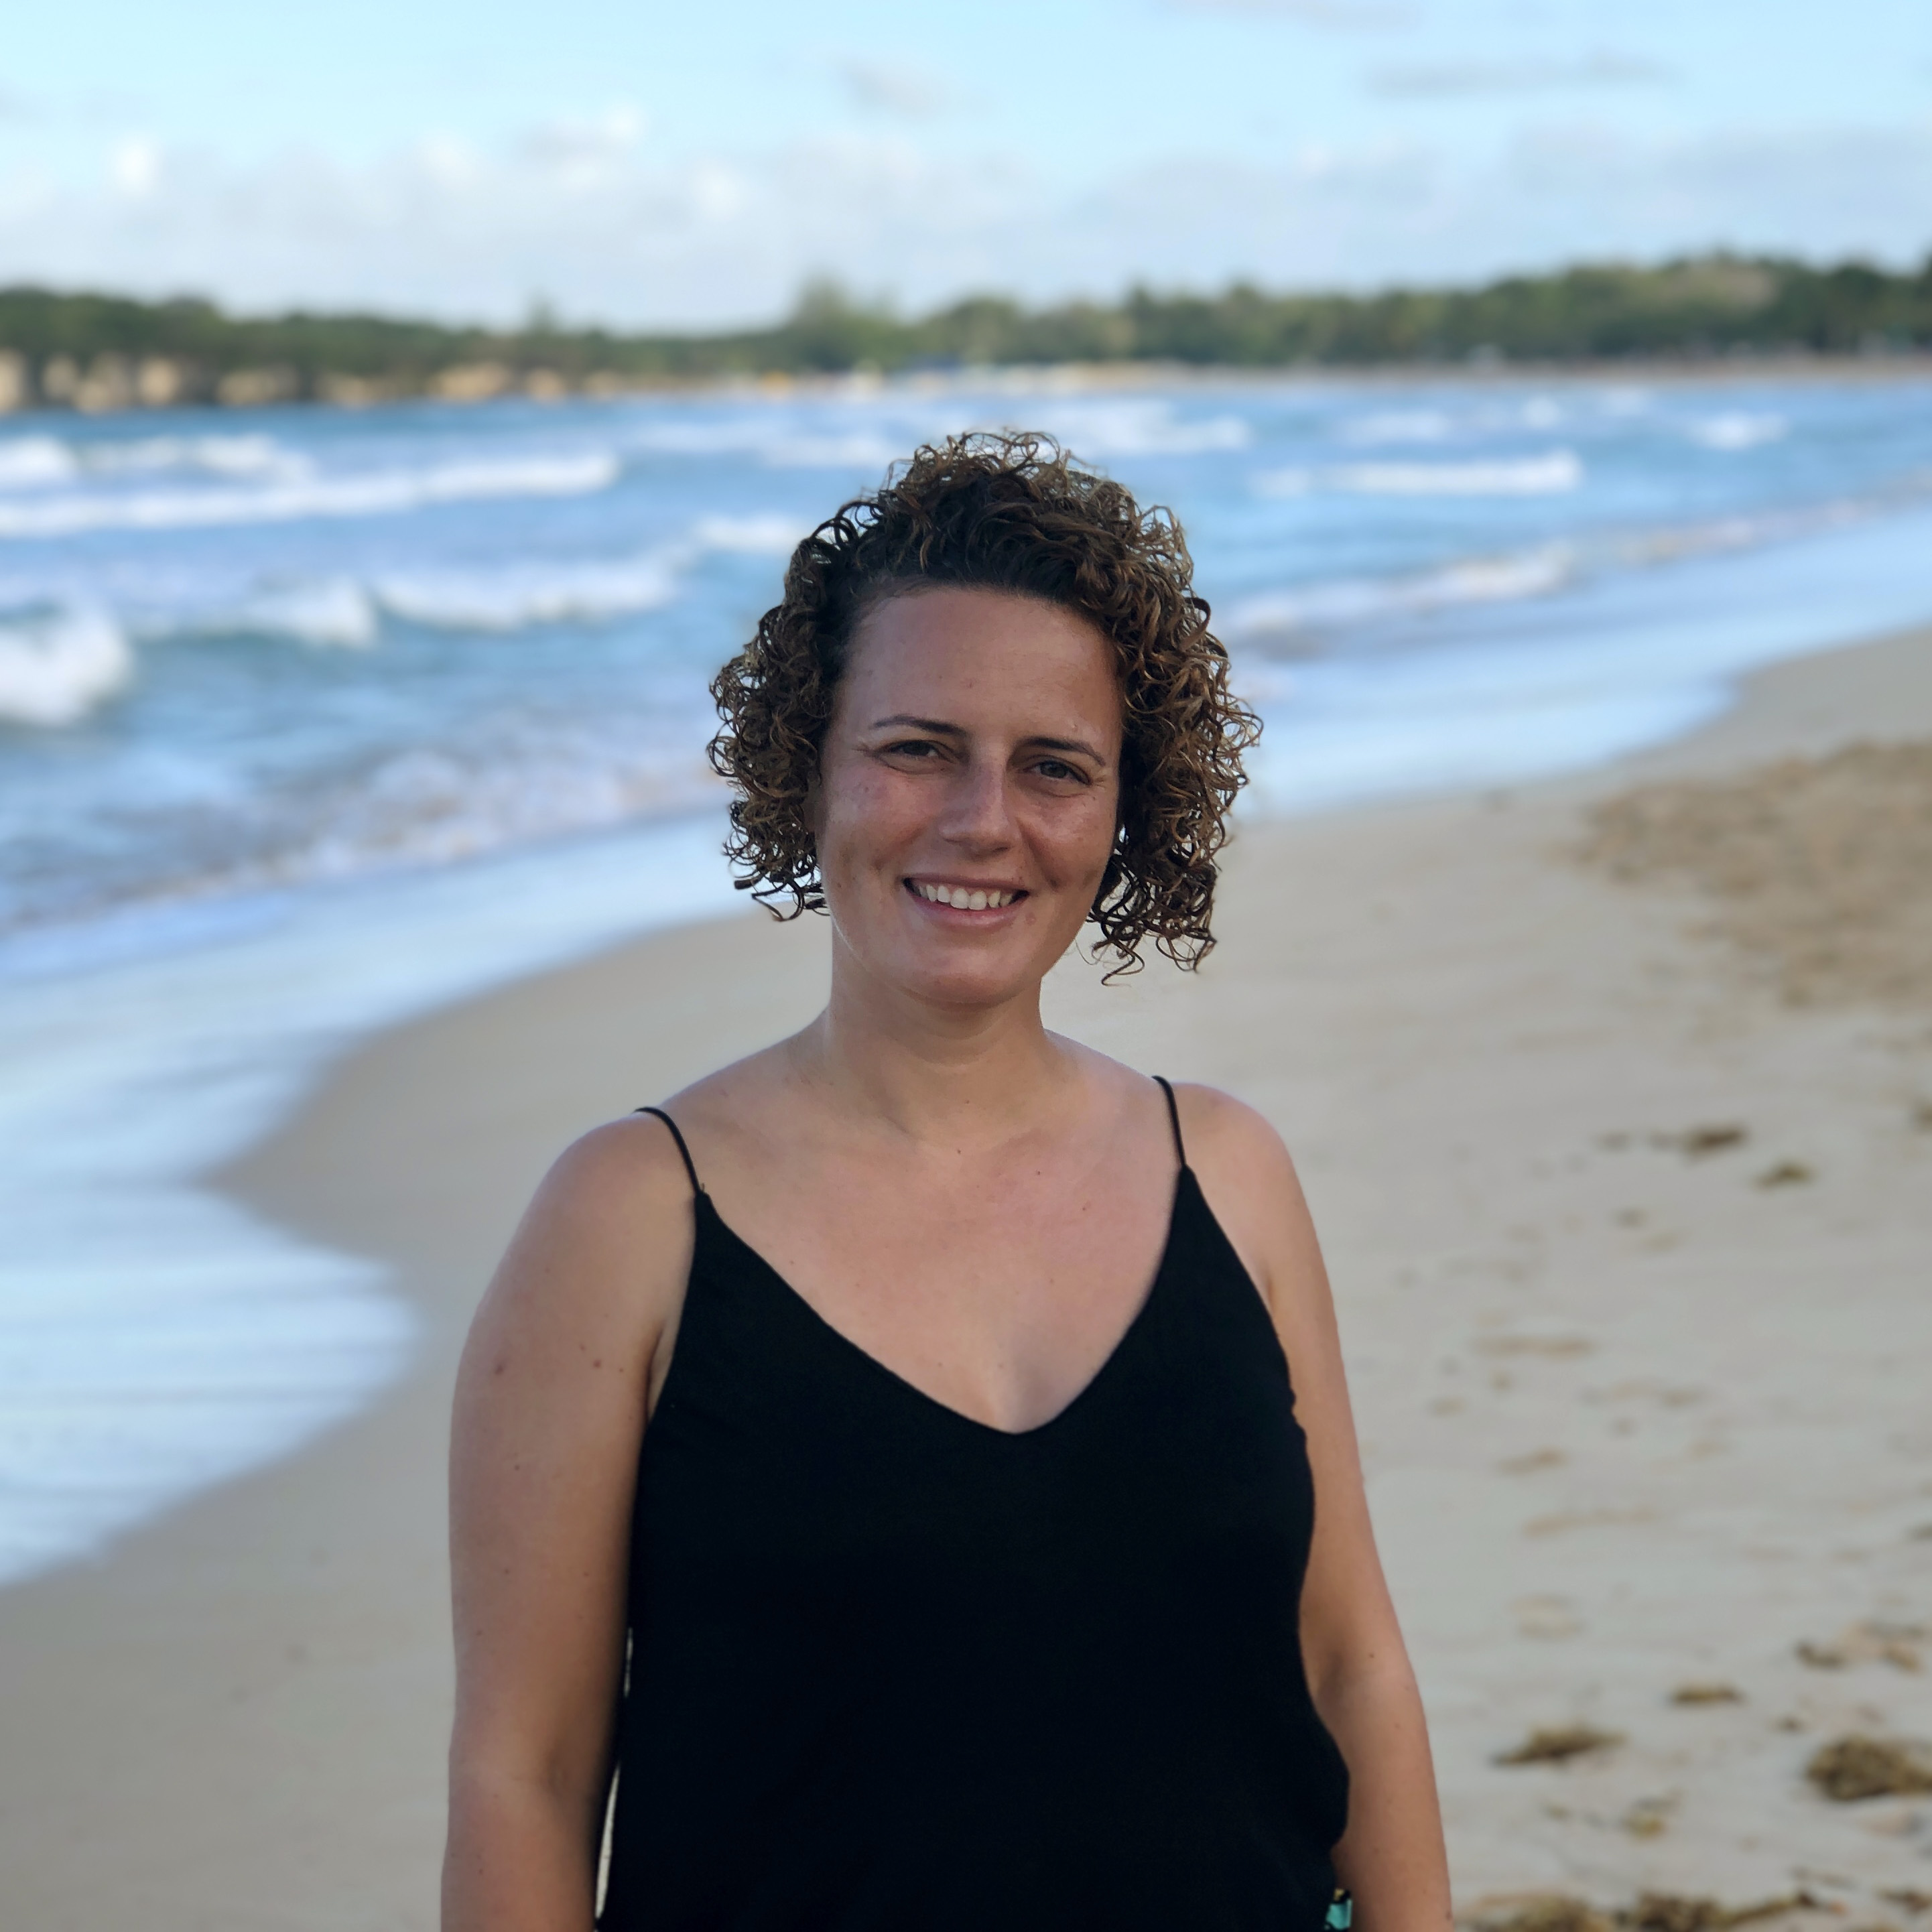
point(884, 1456)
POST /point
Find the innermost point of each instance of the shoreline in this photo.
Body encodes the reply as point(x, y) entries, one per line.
point(1671, 371)
point(283, 1636)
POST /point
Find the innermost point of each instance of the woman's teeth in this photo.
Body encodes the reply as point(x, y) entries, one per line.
point(967, 899)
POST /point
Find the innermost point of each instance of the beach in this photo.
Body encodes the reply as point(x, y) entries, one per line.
point(1627, 1200)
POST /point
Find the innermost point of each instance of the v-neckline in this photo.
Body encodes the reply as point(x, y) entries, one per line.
point(846, 1346)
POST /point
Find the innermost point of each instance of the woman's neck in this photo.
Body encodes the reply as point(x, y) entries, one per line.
point(935, 1074)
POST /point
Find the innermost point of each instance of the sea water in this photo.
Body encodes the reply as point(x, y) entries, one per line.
point(313, 719)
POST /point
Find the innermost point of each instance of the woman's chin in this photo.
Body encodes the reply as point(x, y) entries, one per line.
point(923, 955)
point(963, 977)
point(974, 984)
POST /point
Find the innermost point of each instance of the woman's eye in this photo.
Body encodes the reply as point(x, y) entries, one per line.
point(1054, 768)
point(912, 748)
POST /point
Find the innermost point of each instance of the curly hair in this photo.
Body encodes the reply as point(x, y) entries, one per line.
point(1010, 512)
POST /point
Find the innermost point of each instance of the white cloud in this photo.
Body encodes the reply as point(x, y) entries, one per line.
point(134, 166)
point(889, 87)
point(610, 232)
point(1602, 68)
point(583, 155)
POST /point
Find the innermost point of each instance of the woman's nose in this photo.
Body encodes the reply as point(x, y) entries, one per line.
point(977, 812)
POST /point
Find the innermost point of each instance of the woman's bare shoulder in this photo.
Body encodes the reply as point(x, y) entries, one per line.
point(603, 1248)
point(1248, 1178)
point(617, 1175)
point(1228, 1133)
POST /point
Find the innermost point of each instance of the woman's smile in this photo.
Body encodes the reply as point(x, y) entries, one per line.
point(964, 895)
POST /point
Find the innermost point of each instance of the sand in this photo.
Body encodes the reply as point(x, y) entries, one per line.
point(1626, 1189)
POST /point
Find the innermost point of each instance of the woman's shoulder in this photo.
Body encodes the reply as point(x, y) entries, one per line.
point(1247, 1177)
point(638, 1162)
point(1223, 1131)
point(615, 1172)
point(616, 1203)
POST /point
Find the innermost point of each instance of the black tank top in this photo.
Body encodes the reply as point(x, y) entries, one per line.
point(894, 1670)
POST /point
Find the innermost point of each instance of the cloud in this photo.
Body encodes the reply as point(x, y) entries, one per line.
point(638, 239)
point(1602, 68)
point(134, 166)
point(886, 87)
point(1347, 15)
point(583, 153)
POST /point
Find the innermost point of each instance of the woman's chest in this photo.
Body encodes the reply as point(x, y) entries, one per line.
point(1000, 1298)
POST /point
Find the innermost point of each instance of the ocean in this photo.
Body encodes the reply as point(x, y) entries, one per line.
point(313, 719)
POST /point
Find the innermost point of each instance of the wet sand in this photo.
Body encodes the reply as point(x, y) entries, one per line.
point(1623, 1160)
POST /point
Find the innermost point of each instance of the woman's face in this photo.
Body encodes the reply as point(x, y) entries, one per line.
point(969, 791)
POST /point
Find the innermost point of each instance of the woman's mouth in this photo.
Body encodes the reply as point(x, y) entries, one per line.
point(964, 898)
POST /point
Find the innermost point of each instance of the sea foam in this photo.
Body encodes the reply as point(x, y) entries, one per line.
point(1337, 602)
point(1555, 472)
point(56, 666)
point(156, 1338)
point(374, 492)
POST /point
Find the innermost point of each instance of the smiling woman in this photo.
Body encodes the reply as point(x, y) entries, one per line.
point(1004, 515)
point(916, 1517)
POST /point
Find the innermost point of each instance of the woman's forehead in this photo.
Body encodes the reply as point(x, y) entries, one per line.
point(987, 642)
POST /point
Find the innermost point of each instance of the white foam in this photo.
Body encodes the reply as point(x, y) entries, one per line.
point(510, 597)
point(1096, 427)
point(1387, 426)
point(515, 595)
point(1343, 601)
point(1096, 430)
point(55, 668)
point(430, 806)
point(850, 449)
point(367, 493)
point(155, 1339)
point(31, 462)
point(330, 614)
point(1436, 424)
point(1554, 473)
point(1739, 430)
point(214, 455)
point(771, 536)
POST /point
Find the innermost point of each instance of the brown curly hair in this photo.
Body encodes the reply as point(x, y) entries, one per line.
point(1010, 512)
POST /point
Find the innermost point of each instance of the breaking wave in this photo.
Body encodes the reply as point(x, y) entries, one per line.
point(56, 666)
point(1555, 472)
point(1342, 601)
point(514, 596)
point(375, 492)
point(60, 656)
point(1739, 430)
point(1097, 429)
point(333, 612)
point(33, 462)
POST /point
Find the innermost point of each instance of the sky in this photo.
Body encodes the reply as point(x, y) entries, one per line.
point(690, 166)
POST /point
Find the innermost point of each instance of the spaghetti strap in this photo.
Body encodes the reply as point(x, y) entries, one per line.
point(1173, 1116)
point(691, 1166)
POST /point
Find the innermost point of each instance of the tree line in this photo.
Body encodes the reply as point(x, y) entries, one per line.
point(95, 351)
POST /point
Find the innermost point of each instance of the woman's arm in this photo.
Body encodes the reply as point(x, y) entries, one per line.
point(1391, 1858)
point(556, 1381)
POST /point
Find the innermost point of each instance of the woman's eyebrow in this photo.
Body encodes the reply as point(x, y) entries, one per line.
point(938, 727)
point(1062, 745)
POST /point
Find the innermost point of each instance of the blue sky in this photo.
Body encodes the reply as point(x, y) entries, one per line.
point(642, 163)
